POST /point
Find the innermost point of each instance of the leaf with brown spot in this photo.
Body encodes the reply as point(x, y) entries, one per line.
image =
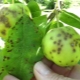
point(3, 71)
point(16, 55)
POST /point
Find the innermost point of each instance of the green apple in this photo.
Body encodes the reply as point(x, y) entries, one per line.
point(62, 46)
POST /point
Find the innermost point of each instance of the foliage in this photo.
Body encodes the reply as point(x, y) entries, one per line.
point(66, 3)
point(48, 3)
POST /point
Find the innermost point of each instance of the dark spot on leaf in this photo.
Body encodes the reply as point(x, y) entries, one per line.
point(0, 73)
point(76, 43)
point(18, 40)
point(63, 31)
point(22, 23)
point(65, 38)
point(8, 58)
point(59, 49)
point(7, 25)
point(58, 43)
point(20, 19)
point(70, 36)
point(3, 59)
point(59, 35)
point(50, 52)
point(17, 22)
point(11, 33)
point(7, 46)
point(61, 45)
point(52, 57)
point(66, 64)
point(16, 29)
point(3, 19)
point(6, 65)
point(19, 13)
point(2, 69)
point(51, 38)
point(3, 32)
point(60, 61)
point(13, 12)
point(58, 52)
point(11, 41)
point(12, 45)
point(31, 72)
point(9, 50)
point(4, 56)
point(72, 61)
point(74, 50)
point(59, 40)
point(54, 42)
point(13, 27)
point(53, 50)
point(67, 33)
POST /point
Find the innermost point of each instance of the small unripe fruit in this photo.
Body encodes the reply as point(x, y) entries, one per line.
point(62, 46)
point(9, 16)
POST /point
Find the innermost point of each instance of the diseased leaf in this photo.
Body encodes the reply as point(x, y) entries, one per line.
point(2, 68)
point(22, 49)
point(3, 71)
point(69, 18)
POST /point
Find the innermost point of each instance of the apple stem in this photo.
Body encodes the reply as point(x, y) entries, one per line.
point(57, 18)
point(57, 9)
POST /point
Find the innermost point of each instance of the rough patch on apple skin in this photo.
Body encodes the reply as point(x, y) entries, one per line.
point(9, 15)
point(20, 50)
point(62, 46)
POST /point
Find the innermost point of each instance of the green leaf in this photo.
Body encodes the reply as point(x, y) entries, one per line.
point(41, 23)
point(34, 8)
point(41, 19)
point(22, 49)
point(53, 24)
point(69, 18)
point(11, 1)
